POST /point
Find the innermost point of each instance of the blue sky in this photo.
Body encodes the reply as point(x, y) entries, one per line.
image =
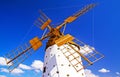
point(99, 28)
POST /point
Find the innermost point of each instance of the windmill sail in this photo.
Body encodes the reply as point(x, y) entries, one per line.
point(77, 14)
point(89, 52)
point(43, 21)
point(74, 49)
point(17, 56)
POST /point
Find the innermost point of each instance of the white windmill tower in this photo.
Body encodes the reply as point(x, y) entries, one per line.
point(65, 56)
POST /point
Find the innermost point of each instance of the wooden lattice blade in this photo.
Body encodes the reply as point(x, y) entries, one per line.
point(80, 54)
point(79, 13)
point(18, 55)
point(88, 54)
point(80, 59)
point(21, 53)
point(43, 21)
point(72, 56)
point(76, 15)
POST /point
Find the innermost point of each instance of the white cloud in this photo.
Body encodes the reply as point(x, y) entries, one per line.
point(86, 49)
point(2, 76)
point(103, 70)
point(17, 71)
point(37, 71)
point(4, 70)
point(118, 73)
point(2, 61)
point(89, 73)
point(25, 67)
point(37, 65)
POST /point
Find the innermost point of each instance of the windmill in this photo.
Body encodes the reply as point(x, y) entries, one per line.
point(65, 56)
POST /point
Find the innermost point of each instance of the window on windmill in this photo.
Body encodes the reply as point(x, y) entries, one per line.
point(68, 75)
point(44, 69)
point(48, 74)
point(53, 65)
point(58, 48)
point(57, 72)
point(61, 64)
point(51, 54)
point(82, 74)
point(69, 65)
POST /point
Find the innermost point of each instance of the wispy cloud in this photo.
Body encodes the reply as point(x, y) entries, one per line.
point(4, 70)
point(2, 76)
point(118, 74)
point(25, 67)
point(86, 50)
point(2, 61)
point(37, 65)
point(17, 71)
point(103, 70)
point(89, 73)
